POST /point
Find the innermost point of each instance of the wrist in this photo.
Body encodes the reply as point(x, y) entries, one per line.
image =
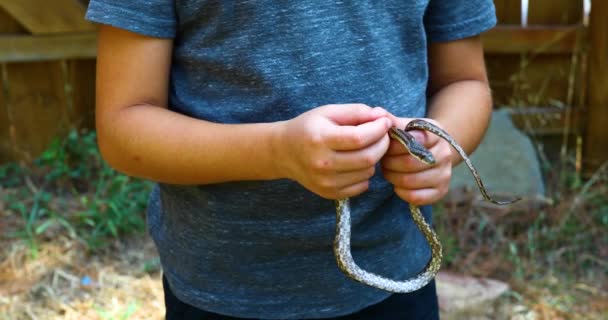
point(277, 142)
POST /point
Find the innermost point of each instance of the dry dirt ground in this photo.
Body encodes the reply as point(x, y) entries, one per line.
point(63, 281)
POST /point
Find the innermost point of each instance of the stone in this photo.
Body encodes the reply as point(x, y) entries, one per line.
point(506, 161)
point(465, 297)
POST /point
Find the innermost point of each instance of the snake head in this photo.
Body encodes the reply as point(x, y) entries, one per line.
point(421, 153)
point(415, 148)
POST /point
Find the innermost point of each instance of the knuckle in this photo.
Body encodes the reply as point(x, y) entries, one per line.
point(371, 172)
point(322, 164)
point(361, 106)
point(446, 154)
point(358, 189)
point(316, 140)
point(357, 140)
point(404, 194)
point(327, 195)
point(443, 191)
point(405, 180)
point(416, 198)
point(368, 160)
point(327, 184)
point(447, 174)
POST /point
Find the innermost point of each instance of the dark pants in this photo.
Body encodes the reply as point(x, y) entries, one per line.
point(421, 304)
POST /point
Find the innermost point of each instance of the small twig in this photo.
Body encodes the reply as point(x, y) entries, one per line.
point(60, 273)
point(31, 185)
point(28, 311)
point(597, 175)
point(587, 288)
point(601, 262)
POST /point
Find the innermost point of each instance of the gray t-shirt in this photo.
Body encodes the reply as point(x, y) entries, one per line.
point(263, 249)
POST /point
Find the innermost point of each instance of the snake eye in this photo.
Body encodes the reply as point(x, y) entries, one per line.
point(428, 158)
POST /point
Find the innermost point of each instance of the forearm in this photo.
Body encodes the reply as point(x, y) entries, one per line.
point(157, 144)
point(463, 109)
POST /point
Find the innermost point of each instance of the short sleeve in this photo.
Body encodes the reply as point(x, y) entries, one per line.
point(155, 18)
point(447, 20)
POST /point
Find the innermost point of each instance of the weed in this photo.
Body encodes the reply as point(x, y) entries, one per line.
point(69, 188)
point(123, 315)
point(566, 240)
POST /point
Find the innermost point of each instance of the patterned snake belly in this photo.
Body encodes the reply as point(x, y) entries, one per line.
point(341, 245)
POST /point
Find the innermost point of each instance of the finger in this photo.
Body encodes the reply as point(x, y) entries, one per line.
point(354, 189)
point(420, 197)
point(346, 185)
point(352, 114)
point(345, 138)
point(404, 163)
point(396, 148)
point(427, 139)
point(437, 177)
point(345, 179)
point(363, 158)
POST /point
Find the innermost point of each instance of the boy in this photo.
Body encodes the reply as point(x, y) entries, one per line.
point(251, 115)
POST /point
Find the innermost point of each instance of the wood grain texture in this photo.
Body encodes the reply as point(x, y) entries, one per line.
point(508, 11)
point(81, 77)
point(37, 103)
point(6, 147)
point(555, 12)
point(533, 81)
point(8, 24)
point(538, 39)
point(47, 17)
point(595, 147)
point(22, 48)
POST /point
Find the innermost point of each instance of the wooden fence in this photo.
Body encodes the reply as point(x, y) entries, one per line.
point(552, 74)
point(47, 72)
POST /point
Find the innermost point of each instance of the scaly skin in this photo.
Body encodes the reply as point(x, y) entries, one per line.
point(341, 245)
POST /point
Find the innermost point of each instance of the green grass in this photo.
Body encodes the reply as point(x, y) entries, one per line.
point(566, 239)
point(131, 308)
point(69, 190)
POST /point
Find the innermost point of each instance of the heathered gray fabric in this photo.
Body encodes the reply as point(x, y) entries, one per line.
point(263, 249)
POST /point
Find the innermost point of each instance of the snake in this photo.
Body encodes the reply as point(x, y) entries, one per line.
point(341, 244)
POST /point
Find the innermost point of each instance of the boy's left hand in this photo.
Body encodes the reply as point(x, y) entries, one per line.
point(414, 181)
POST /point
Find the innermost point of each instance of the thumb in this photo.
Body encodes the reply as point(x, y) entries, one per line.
point(423, 137)
point(352, 114)
point(419, 135)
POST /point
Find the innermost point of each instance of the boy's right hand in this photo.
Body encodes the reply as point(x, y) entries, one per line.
point(332, 150)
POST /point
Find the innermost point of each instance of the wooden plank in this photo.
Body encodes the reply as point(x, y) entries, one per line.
point(37, 105)
point(508, 11)
point(595, 151)
point(547, 120)
point(21, 48)
point(537, 39)
point(8, 24)
point(46, 17)
point(6, 147)
point(81, 76)
point(519, 80)
point(555, 12)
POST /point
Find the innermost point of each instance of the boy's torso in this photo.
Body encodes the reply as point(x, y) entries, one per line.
point(263, 61)
point(263, 249)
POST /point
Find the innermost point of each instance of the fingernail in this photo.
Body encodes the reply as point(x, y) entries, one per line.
point(418, 135)
point(388, 123)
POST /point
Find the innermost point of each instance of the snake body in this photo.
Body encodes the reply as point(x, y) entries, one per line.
point(341, 246)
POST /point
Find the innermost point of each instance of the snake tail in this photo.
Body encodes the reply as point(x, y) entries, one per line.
point(419, 124)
